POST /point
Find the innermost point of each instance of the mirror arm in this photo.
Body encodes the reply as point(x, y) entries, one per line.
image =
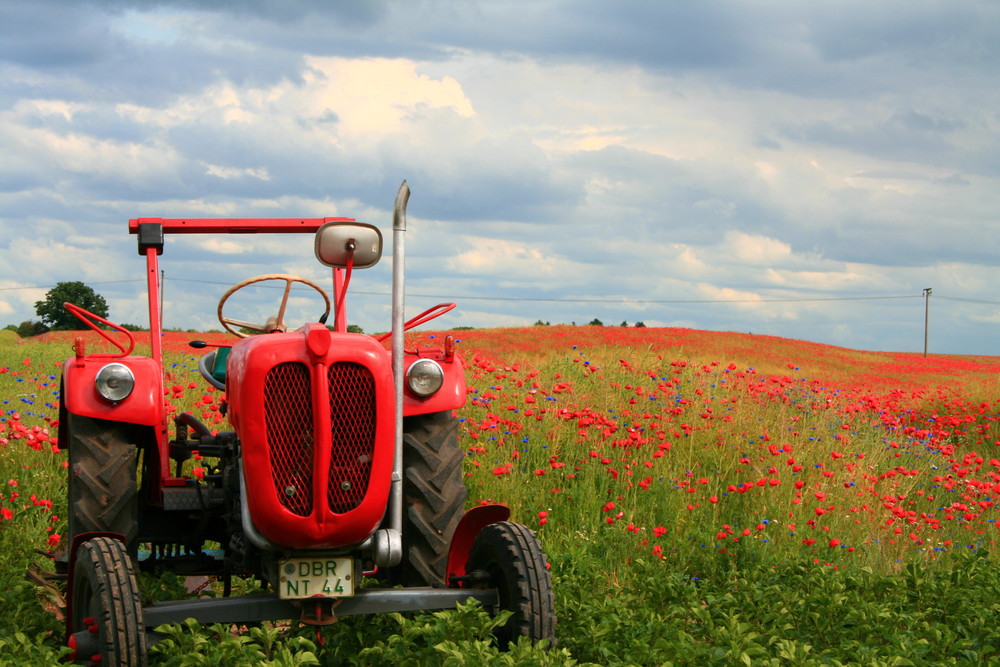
point(340, 294)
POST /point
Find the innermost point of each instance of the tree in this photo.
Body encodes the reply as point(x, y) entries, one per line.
point(29, 328)
point(595, 322)
point(52, 313)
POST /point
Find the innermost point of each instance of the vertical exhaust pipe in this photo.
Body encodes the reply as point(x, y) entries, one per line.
point(398, 303)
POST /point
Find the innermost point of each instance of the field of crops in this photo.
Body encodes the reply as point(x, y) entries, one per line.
point(703, 498)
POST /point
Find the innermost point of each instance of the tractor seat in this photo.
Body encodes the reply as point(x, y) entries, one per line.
point(213, 367)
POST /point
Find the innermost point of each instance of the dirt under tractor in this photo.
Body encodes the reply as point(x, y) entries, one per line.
point(339, 486)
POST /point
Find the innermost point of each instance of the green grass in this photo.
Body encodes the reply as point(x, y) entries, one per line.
point(702, 498)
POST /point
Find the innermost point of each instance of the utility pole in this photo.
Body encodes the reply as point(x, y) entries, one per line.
point(927, 308)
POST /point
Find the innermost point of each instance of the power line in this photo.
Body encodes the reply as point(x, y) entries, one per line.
point(623, 300)
point(628, 301)
point(959, 298)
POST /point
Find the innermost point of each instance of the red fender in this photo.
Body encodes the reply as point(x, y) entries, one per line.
point(144, 406)
point(474, 521)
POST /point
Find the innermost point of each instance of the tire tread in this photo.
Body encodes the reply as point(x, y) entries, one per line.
point(434, 496)
point(102, 485)
point(104, 566)
point(512, 552)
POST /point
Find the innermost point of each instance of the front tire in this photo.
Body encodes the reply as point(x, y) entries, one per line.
point(508, 557)
point(433, 496)
point(106, 603)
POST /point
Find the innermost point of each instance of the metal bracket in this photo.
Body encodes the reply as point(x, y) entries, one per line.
point(322, 611)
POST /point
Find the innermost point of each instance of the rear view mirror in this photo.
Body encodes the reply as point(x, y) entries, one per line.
point(336, 242)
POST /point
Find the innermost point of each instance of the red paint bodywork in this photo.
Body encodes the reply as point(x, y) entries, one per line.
point(452, 394)
point(313, 345)
point(144, 406)
point(316, 347)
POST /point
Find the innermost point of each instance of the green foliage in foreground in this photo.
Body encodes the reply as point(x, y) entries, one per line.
point(793, 614)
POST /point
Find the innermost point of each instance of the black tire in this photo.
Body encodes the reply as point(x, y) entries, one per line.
point(509, 557)
point(102, 480)
point(105, 595)
point(433, 497)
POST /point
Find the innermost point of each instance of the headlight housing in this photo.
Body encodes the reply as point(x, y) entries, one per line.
point(424, 377)
point(114, 382)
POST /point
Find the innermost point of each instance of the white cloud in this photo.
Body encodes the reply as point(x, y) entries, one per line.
point(374, 97)
point(512, 260)
point(755, 249)
point(227, 173)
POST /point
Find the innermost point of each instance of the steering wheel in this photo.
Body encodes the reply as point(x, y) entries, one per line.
point(274, 323)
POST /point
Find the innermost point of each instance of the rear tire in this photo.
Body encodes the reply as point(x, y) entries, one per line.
point(433, 497)
point(106, 599)
point(509, 557)
point(102, 480)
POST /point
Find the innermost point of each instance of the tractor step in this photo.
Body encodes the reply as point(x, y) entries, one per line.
point(193, 496)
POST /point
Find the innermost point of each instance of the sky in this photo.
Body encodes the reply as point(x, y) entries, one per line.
point(796, 169)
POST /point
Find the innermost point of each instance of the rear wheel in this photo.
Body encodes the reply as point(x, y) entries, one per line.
point(107, 611)
point(433, 496)
point(507, 556)
point(102, 480)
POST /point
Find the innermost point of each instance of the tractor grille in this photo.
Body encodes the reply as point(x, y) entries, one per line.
point(289, 420)
point(352, 425)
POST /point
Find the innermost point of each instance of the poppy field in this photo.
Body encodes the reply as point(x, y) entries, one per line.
point(702, 497)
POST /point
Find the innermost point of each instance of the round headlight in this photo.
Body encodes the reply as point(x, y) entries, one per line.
point(424, 377)
point(115, 382)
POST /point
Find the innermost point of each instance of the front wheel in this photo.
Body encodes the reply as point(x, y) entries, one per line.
point(106, 606)
point(507, 556)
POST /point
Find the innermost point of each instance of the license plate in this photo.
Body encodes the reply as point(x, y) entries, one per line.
point(309, 577)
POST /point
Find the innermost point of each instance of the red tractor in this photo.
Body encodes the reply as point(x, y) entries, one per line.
point(342, 463)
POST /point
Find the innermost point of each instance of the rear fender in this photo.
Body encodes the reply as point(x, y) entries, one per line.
point(474, 521)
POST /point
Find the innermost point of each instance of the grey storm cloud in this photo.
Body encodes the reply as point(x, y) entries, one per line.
point(637, 154)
